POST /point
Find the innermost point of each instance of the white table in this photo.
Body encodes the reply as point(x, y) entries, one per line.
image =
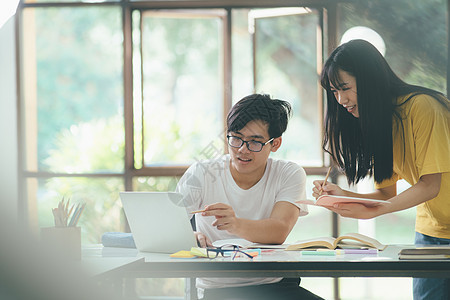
point(279, 263)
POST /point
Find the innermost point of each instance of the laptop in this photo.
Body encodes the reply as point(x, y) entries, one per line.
point(158, 221)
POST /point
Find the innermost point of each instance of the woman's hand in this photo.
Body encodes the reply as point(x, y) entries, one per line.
point(353, 210)
point(359, 211)
point(328, 189)
point(202, 240)
point(225, 217)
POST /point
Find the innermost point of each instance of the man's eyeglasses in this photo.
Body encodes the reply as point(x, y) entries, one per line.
point(214, 252)
point(254, 146)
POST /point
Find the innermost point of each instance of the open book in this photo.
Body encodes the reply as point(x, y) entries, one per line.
point(330, 200)
point(349, 240)
point(245, 244)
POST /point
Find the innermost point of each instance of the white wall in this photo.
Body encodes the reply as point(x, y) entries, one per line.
point(8, 121)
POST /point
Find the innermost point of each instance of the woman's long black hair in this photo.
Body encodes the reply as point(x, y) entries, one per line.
point(363, 146)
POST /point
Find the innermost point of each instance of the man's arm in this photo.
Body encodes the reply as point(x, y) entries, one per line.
point(272, 230)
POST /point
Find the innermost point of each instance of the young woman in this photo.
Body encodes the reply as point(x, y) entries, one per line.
point(378, 125)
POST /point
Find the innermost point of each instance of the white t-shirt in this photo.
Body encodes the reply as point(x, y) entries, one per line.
point(209, 182)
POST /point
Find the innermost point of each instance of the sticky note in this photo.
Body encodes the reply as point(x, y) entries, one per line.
point(182, 254)
point(200, 252)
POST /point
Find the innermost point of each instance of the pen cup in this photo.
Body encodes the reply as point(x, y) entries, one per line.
point(65, 240)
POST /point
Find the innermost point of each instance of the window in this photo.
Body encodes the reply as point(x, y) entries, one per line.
point(178, 80)
point(285, 69)
point(72, 142)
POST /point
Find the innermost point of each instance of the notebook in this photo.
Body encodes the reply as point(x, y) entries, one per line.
point(158, 221)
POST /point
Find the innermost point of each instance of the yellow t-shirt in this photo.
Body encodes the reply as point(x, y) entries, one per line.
point(426, 125)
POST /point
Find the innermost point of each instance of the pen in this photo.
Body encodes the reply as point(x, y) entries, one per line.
point(198, 211)
point(325, 181)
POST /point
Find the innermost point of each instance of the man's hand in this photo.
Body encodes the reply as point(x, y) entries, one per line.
point(225, 217)
point(202, 240)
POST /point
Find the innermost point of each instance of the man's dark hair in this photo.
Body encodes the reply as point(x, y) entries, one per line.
point(273, 112)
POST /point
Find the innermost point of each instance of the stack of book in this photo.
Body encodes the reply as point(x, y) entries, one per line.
point(441, 252)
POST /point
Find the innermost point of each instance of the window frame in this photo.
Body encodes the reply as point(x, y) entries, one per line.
point(27, 204)
point(178, 170)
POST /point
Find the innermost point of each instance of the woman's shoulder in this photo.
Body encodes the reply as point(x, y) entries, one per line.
point(419, 103)
point(414, 98)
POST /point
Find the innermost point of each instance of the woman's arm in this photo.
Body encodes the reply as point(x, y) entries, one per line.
point(425, 189)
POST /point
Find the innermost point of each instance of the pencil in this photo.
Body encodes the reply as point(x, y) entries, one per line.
point(198, 211)
point(79, 214)
point(325, 181)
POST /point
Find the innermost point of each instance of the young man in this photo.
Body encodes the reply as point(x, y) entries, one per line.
point(248, 195)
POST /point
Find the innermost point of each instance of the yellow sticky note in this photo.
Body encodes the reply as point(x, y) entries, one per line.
point(200, 252)
point(182, 254)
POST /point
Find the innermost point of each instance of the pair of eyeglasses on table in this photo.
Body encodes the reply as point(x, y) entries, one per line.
point(232, 251)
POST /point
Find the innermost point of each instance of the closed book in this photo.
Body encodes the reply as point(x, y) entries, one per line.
point(426, 251)
point(424, 256)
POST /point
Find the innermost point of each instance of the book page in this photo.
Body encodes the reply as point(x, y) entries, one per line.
point(358, 240)
point(268, 246)
point(242, 243)
point(245, 244)
point(321, 242)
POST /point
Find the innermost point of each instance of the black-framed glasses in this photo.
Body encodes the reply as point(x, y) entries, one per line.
point(254, 146)
point(234, 251)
